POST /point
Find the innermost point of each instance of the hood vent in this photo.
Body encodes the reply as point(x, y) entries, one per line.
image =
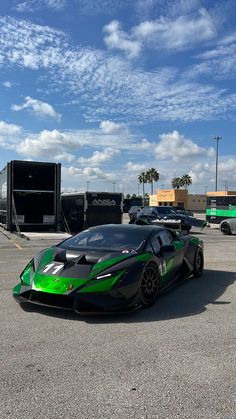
point(69, 256)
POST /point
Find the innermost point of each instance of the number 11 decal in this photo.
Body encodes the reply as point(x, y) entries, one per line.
point(53, 268)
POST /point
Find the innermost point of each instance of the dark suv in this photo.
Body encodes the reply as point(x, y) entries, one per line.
point(134, 210)
point(155, 212)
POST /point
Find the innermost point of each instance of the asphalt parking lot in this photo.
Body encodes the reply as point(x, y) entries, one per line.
point(174, 360)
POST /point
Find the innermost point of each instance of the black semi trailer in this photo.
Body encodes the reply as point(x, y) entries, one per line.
point(132, 202)
point(30, 196)
point(83, 210)
point(220, 207)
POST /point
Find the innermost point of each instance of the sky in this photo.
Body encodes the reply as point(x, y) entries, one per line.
point(111, 88)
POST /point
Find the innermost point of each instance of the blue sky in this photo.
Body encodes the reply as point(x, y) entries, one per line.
point(110, 88)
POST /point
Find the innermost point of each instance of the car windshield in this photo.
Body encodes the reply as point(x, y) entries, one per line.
point(133, 209)
point(123, 240)
point(165, 210)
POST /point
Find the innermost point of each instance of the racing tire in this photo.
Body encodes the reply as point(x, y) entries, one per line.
point(150, 284)
point(225, 228)
point(198, 263)
point(188, 229)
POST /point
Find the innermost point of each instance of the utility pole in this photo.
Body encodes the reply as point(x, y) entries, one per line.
point(217, 152)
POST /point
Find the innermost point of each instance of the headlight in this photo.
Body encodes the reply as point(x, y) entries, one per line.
point(103, 276)
point(37, 260)
point(110, 275)
point(25, 276)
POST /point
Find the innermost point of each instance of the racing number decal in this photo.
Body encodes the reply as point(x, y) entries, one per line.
point(53, 268)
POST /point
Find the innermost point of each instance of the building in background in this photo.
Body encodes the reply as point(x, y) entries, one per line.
point(197, 202)
point(221, 193)
point(153, 200)
point(173, 197)
point(179, 198)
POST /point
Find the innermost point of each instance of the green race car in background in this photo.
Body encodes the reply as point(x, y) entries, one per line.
point(110, 268)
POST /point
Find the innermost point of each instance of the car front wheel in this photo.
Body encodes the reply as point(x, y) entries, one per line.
point(150, 285)
point(198, 263)
point(225, 228)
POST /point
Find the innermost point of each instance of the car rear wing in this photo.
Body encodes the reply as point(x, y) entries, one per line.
point(168, 223)
point(171, 223)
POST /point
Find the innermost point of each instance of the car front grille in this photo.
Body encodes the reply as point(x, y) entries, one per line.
point(52, 300)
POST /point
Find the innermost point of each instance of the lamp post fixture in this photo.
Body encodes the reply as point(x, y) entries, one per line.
point(217, 152)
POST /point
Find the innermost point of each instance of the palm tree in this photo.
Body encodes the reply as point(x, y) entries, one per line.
point(142, 178)
point(176, 182)
point(152, 176)
point(186, 180)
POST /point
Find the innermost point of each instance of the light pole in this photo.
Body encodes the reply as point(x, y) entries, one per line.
point(114, 186)
point(217, 152)
point(88, 185)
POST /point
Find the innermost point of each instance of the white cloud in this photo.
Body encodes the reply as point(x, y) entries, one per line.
point(109, 127)
point(203, 173)
point(91, 173)
point(118, 39)
point(227, 165)
point(179, 33)
point(48, 144)
point(39, 108)
point(218, 62)
point(34, 5)
point(7, 84)
point(175, 146)
point(135, 167)
point(9, 129)
point(86, 7)
point(93, 7)
point(143, 145)
point(99, 157)
point(109, 85)
point(171, 8)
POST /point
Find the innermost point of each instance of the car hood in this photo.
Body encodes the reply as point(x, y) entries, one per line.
point(58, 270)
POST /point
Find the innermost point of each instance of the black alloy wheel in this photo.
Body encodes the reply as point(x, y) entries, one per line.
point(198, 263)
point(150, 285)
point(225, 228)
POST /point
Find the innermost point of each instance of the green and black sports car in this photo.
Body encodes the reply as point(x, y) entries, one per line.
point(110, 268)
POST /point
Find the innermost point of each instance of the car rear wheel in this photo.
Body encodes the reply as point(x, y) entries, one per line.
point(150, 285)
point(225, 228)
point(198, 263)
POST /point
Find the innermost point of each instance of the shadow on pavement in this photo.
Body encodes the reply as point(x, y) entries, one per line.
point(188, 299)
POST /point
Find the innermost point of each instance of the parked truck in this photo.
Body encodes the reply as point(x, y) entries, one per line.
point(82, 210)
point(30, 196)
point(220, 207)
